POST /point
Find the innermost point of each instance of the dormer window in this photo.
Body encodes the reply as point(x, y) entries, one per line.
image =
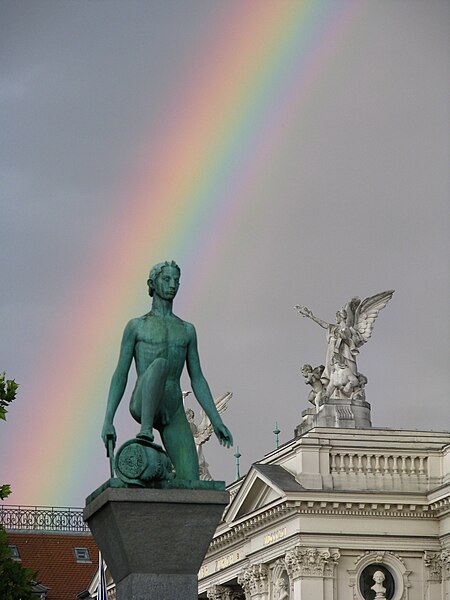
point(15, 555)
point(82, 555)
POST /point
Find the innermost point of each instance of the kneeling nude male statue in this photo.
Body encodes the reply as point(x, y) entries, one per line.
point(161, 344)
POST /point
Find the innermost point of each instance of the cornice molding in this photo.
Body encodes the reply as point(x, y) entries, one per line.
point(252, 524)
point(441, 506)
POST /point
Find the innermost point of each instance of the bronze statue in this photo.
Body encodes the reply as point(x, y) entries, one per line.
point(161, 344)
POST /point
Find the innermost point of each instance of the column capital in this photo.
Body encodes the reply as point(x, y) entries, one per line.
point(445, 562)
point(220, 592)
point(433, 564)
point(254, 580)
point(311, 562)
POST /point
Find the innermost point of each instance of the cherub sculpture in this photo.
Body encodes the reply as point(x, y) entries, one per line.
point(312, 377)
point(353, 328)
point(204, 430)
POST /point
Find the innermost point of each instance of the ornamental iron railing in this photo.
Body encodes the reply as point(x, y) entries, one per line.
point(42, 518)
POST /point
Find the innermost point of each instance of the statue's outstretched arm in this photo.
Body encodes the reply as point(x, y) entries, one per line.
point(202, 392)
point(119, 381)
point(306, 312)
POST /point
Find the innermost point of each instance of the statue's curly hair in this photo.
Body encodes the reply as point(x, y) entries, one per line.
point(156, 270)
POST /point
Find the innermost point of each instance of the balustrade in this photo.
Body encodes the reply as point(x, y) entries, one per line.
point(377, 463)
point(42, 518)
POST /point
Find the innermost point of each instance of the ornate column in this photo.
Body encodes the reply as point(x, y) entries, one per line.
point(437, 566)
point(445, 561)
point(433, 565)
point(312, 571)
point(255, 582)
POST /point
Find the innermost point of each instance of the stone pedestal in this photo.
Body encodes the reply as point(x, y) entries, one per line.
point(336, 412)
point(154, 540)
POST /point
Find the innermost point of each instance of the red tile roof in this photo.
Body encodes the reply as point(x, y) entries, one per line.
point(53, 557)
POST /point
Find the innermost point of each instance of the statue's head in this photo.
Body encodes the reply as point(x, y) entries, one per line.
point(341, 315)
point(281, 584)
point(306, 369)
point(379, 577)
point(171, 272)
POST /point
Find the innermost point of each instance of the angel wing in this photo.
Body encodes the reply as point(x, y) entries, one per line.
point(367, 311)
point(204, 428)
point(319, 370)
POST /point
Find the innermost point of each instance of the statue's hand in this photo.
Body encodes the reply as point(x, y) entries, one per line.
point(303, 310)
point(224, 435)
point(108, 431)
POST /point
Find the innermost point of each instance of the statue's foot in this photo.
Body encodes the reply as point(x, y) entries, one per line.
point(146, 434)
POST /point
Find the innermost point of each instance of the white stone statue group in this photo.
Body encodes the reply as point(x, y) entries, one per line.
point(339, 377)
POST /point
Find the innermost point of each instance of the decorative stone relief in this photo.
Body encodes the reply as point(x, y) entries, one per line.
point(220, 592)
point(281, 584)
point(433, 564)
point(437, 565)
point(375, 556)
point(445, 561)
point(281, 589)
point(311, 562)
point(254, 580)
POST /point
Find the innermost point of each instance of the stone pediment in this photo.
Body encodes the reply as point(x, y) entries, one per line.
point(263, 485)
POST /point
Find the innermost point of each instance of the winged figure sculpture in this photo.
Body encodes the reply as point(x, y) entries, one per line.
point(353, 328)
point(204, 430)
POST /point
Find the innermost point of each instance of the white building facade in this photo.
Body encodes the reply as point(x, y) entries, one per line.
point(317, 518)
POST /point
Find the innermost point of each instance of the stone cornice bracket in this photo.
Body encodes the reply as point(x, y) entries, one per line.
point(311, 562)
point(254, 580)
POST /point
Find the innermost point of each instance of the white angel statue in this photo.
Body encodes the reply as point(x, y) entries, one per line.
point(204, 430)
point(353, 328)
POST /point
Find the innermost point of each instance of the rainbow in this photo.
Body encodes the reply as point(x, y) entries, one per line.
point(263, 68)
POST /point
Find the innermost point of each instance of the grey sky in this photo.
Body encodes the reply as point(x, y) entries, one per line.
point(355, 201)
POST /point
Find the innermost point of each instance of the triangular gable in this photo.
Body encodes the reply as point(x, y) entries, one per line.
point(256, 491)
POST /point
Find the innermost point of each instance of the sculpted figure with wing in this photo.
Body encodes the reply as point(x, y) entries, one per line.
point(312, 377)
point(204, 430)
point(353, 328)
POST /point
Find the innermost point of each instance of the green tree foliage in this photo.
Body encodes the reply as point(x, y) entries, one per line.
point(15, 580)
point(8, 390)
